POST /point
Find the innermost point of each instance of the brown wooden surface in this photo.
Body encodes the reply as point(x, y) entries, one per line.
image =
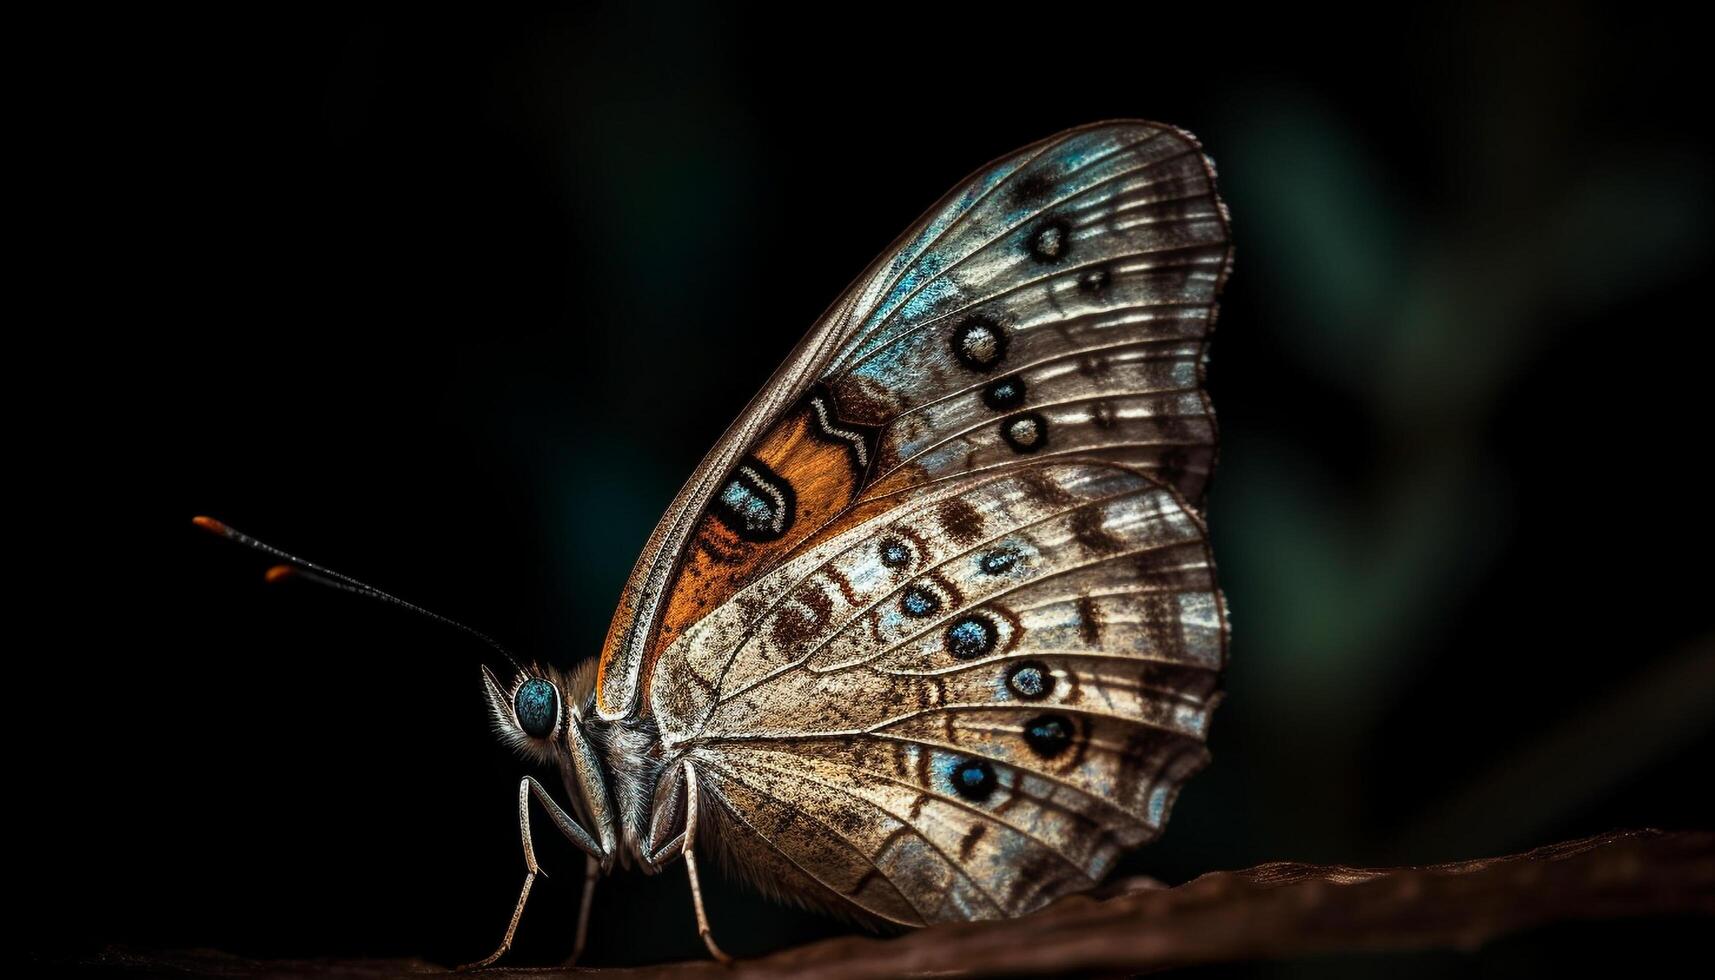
point(1272, 911)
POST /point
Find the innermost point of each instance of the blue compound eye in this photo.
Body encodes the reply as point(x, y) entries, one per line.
point(538, 706)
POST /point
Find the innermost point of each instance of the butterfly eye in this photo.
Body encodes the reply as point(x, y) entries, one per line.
point(537, 705)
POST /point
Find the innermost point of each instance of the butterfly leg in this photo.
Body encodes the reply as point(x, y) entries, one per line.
point(574, 833)
point(690, 841)
point(592, 871)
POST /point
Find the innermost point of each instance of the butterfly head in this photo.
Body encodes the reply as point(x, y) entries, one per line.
point(545, 714)
point(541, 709)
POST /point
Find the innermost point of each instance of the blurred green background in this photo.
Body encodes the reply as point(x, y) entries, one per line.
point(454, 302)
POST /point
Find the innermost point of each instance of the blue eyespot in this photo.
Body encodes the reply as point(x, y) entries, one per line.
point(919, 602)
point(971, 637)
point(973, 779)
point(1005, 393)
point(537, 704)
point(999, 562)
point(895, 553)
point(1031, 681)
point(1049, 735)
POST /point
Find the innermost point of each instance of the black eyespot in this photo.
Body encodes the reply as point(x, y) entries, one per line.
point(973, 779)
point(1026, 433)
point(894, 553)
point(1033, 188)
point(979, 343)
point(1049, 735)
point(1031, 681)
point(971, 637)
point(537, 705)
point(999, 562)
point(1095, 280)
point(756, 503)
point(1052, 242)
point(919, 602)
point(1005, 393)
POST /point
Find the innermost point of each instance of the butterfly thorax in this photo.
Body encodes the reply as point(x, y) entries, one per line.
point(630, 750)
point(630, 757)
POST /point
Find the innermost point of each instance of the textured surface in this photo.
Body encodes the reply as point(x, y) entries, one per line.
point(1274, 911)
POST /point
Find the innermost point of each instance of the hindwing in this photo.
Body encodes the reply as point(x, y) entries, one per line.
point(967, 702)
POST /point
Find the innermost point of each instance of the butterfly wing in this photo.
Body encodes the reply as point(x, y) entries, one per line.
point(968, 702)
point(1054, 305)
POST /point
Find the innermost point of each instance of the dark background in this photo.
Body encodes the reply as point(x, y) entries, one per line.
point(453, 304)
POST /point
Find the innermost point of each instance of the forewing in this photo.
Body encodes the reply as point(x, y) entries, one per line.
point(968, 702)
point(1062, 311)
point(1054, 305)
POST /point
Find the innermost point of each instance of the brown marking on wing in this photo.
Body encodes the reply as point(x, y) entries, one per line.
point(1038, 870)
point(1087, 528)
point(1162, 615)
point(864, 398)
point(972, 836)
point(1094, 366)
point(961, 521)
point(1041, 489)
point(938, 685)
point(843, 583)
point(930, 692)
point(1080, 742)
point(1140, 744)
point(1104, 415)
point(803, 618)
point(1089, 621)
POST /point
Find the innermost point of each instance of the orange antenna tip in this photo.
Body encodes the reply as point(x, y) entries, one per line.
point(292, 566)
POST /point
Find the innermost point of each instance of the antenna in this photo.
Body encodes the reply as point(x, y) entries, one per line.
point(311, 572)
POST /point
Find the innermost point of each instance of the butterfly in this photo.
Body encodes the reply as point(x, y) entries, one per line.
point(932, 633)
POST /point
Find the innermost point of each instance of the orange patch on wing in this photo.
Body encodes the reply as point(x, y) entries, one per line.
point(718, 562)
